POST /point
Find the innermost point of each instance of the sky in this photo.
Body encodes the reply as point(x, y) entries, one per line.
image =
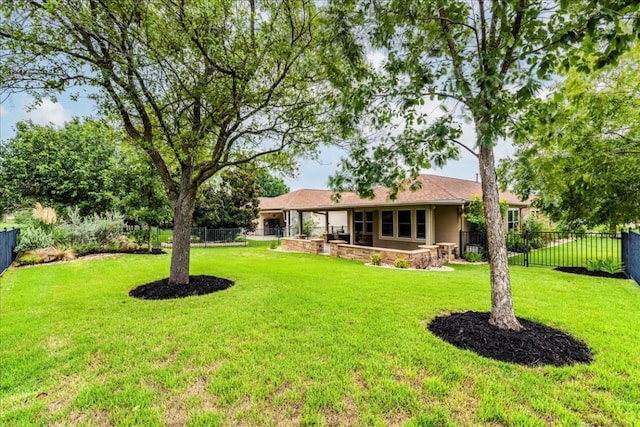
point(313, 174)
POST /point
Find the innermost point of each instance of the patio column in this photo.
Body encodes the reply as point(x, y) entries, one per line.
point(299, 222)
point(326, 223)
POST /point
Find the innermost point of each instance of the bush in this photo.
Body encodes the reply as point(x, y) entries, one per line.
point(425, 261)
point(515, 243)
point(472, 256)
point(607, 265)
point(401, 263)
point(87, 249)
point(33, 238)
point(273, 245)
point(29, 258)
point(376, 259)
point(240, 238)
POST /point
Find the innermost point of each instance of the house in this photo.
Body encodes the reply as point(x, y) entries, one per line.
point(431, 216)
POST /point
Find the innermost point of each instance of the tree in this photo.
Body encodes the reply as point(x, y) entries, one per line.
point(200, 86)
point(144, 200)
point(483, 60)
point(578, 151)
point(71, 166)
point(270, 186)
point(232, 203)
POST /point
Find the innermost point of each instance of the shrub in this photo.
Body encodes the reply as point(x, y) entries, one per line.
point(515, 243)
point(607, 265)
point(537, 242)
point(273, 245)
point(401, 263)
point(239, 238)
point(60, 254)
point(376, 259)
point(422, 261)
point(472, 256)
point(29, 258)
point(87, 248)
point(33, 238)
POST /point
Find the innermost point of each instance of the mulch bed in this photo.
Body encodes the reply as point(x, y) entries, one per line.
point(198, 285)
point(584, 271)
point(535, 345)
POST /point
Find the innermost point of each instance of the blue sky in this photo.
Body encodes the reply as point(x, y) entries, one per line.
point(313, 173)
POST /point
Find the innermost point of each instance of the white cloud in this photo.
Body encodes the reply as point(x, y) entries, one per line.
point(48, 112)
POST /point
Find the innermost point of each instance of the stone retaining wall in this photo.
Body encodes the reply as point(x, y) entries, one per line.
point(310, 246)
point(363, 253)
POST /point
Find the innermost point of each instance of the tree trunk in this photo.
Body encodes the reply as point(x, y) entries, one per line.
point(502, 314)
point(182, 220)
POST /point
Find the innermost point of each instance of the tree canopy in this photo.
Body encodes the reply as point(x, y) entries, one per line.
point(270, 186)
point(200, 86)
point(483, 61)
point(578, 151)
point(71, 166)
point(230, 203)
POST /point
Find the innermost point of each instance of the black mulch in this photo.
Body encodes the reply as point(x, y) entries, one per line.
point(198, 285)
point(535, 345)
point(584, 271)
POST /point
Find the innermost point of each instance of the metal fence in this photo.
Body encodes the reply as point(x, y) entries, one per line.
point(631, 254)
point(8, 240)
point(203, 236)
point(554, 249)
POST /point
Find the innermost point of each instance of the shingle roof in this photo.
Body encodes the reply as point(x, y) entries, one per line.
point(434, 189)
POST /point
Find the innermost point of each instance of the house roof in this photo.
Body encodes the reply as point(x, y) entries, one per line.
point(434, 190)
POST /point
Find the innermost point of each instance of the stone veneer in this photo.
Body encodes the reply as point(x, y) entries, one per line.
point(363, 253)
point(340, 249)
point(311, 246)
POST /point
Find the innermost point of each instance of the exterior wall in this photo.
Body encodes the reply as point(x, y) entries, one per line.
point(447, 224)
point(311, 246)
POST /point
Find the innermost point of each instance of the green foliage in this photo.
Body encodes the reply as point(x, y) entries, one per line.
point(474, 213)
point(308, 227)
point(401, 263)
point(273, 245)
point(29, 259)
point(375, 259)
point(73, 165)
point(33, 238)
point(270, 186)
point(101, 230)
point(578, 149)
point(199, 87)
point(516, 243)
point(607, 265)
point(231, 203)
point(472, 256)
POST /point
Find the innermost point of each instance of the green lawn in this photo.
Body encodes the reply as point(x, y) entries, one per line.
point(301, 340)
point(573, 252)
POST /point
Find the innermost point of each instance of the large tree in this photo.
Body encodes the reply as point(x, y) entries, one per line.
point(483, 60)
point(578, 150)
point(232, 202)
point(71, 166)
point(199, 85)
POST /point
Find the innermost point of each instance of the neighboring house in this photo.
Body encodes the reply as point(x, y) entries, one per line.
point(432, 214)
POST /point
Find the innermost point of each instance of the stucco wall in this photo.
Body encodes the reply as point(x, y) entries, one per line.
point(447, 224)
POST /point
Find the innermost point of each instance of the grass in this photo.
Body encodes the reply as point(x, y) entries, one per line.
point(574, 252)
point(301, 340)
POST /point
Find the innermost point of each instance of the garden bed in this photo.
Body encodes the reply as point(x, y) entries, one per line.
point(586, 272)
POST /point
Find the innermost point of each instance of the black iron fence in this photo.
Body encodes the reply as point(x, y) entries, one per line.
point(8, 240)
point(631, 254)
point(203, 236)
point(554, 249)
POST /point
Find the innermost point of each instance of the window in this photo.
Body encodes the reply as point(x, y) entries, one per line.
point(404, 224)
point(513, 219)
point(368, 224)
point(363, 221)
point(421, 224)
point(386, 223)
point(357, 221)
